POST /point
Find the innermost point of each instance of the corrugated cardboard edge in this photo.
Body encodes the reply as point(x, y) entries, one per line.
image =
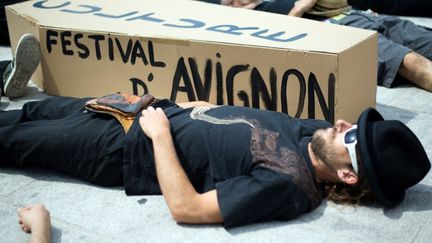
point(348, 67)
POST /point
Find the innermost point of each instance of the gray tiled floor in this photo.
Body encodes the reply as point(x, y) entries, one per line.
point(86, 213)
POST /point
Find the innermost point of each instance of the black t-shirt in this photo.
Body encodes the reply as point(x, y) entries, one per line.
point(256, 160)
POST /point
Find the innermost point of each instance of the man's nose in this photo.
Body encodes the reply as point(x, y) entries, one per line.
point(342, 125)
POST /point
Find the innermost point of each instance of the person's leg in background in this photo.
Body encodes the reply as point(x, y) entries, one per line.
point(404, 49)
point(417, 64)
point(419, 8)
point(418, 70)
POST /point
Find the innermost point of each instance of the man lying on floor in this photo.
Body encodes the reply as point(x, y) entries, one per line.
point(217, 164)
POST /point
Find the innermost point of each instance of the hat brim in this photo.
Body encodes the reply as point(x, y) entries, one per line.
point(366, 157)
point(332, 4)
point(328, 13)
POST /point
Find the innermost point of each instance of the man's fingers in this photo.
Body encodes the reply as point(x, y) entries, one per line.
point(25, 229)
point(150, 110)
point(159, 110)
point(20, 210)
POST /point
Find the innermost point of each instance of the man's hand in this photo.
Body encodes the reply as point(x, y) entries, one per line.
point(35, 219)
point(185, 204)
point(154, 122)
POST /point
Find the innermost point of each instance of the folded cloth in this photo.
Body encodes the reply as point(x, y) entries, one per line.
point(124, 107)
point(329, 8)
point(332, 4)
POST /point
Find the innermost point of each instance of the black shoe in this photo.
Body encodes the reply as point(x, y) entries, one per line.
point(19, 72)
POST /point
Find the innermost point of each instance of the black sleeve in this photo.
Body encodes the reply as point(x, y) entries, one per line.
point(309, 126)
point(278, 6)
point(421, 8)
point(264, 195)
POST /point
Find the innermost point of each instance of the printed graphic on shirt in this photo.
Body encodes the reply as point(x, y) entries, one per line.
point(268, 153)
point(198, 113)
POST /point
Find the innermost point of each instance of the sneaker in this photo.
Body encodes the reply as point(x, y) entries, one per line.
point(19, 72)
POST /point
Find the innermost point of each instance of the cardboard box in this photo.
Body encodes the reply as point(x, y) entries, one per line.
point(188, 50)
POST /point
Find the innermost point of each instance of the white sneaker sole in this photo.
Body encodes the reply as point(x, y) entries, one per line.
point(27, 58)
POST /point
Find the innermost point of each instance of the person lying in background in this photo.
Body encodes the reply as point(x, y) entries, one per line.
point(404, 49)
point(417, 8)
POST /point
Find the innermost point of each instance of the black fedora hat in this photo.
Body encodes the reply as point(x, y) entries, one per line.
point(392, 156)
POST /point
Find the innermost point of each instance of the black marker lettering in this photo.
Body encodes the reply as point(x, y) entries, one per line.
point(110, 48)
point(124, 55)
point(202, 90)
point(138, 51)
point(97, 39)
point(66, 42)
point(138, 82)
point(154, 63)
point(181, 73)
point(259, 89)
point(314, 88)
point(232, 72)
point(219, 84)
point(302, 91)
point(85, 51)
point(49, 41)
point(243, 96)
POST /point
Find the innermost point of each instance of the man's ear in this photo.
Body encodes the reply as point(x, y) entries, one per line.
point(347, 176)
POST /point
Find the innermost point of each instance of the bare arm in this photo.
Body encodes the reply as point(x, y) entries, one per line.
point(249, 4)
point(301, 7)
point(184, 203)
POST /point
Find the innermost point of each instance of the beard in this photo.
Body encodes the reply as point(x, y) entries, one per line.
point(323, 149)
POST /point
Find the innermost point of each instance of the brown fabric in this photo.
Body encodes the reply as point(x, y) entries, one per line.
point(329, 8)
point(124, 107)
point(332, 4)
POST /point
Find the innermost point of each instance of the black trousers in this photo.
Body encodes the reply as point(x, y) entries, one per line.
point(59, 134)
point(3, 65)
point(421, 8)
point(396, 38)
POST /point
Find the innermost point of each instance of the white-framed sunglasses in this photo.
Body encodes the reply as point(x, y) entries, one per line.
point(350, 142)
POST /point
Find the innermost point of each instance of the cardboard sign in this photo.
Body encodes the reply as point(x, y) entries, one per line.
point(187, 51)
